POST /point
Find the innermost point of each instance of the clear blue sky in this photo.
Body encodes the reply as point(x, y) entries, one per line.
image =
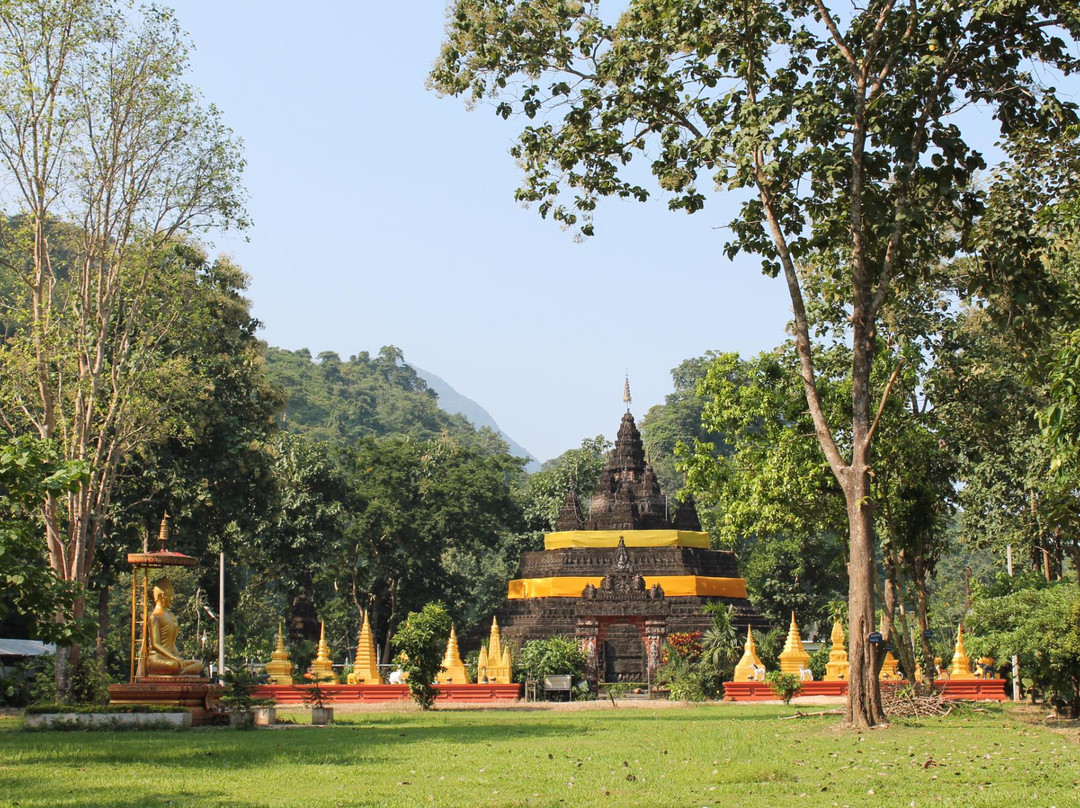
point(384, 215)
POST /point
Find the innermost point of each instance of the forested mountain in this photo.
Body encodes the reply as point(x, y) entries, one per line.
point(454, 402)
point(343, 401)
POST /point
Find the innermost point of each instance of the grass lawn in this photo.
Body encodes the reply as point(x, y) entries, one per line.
point(728, 755)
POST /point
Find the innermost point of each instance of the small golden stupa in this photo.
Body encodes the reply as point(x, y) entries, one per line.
point(836, 669)
point(453, 672)
point(890, 669)
point(280, 668)
point(749, 667)
point(794, 659)
point(494, 663)
point(366, 668)
point(322, 668)
point(961, 665)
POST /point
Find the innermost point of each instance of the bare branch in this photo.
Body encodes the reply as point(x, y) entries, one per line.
point(884, 399)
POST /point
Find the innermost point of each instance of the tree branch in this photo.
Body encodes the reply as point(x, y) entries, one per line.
point(830, 23)
point(884, 399)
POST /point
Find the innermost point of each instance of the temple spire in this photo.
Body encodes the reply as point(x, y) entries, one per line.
point(163, 531)
point(626, 392)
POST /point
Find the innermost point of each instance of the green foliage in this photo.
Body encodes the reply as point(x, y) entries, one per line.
point(685, 672)
point(1041, 625)
point(211, 471)
point(551, 656)
point(577, 469)
point(818, 660)
point(420, 641)
point(770, 644)
point(89, 686)
point(678, 421)
point(344, 402)
point(785, 685)
point(769, 495)
point(29, 469)
point(316, 695)
point(430, 521)
point(720, 644)
point(239, 683)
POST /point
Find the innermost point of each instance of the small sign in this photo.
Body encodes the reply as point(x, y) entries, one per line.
point(557, 682)
point(874, 638)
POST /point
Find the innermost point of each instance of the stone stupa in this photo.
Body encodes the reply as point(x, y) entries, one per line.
point(625, 574)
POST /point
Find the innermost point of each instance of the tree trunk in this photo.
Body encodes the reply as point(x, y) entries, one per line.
point(894, 628)
point(922, 613)
point(864, 693)
point(103, 629)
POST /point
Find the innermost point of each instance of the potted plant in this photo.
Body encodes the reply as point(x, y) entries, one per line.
point(318, 700)
point(245, 710)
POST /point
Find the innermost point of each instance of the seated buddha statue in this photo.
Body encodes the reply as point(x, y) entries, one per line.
point(162, 658)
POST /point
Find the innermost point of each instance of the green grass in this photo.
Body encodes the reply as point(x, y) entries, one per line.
point(732, 756)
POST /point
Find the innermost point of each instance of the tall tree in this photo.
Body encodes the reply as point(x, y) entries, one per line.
point(99, 128)
point(31, 593)
point(836, 127)
point(678, 420)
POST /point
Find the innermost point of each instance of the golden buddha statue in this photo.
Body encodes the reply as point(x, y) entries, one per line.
point(162, 658)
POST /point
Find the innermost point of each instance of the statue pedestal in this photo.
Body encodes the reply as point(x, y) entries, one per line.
point(201, 697)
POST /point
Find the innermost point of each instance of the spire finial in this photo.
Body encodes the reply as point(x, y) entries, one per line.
point(163, 531)
point(626, 392)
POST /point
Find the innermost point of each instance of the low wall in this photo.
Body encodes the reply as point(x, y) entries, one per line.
point(959, 689)
point(359, 694)
point(109, 720)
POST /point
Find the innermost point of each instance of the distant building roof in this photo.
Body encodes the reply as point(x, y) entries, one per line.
point(25, 648)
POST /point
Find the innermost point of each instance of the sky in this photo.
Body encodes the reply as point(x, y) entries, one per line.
point(385, 215)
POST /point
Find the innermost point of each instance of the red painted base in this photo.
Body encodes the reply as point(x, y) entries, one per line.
point(973, 689)
point(198, 695)
point(759, 691)
point(358, 694)
point(956, 689)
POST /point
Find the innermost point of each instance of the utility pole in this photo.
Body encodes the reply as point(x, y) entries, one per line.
point(1015, 658)
point(221, 616)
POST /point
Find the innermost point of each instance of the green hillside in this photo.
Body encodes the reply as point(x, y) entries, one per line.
point(345, 401)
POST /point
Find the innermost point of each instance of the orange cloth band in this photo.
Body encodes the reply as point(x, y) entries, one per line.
point(673, 586)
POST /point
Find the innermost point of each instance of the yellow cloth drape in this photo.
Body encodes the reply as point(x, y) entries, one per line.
point(673, 585)
point(633, 538)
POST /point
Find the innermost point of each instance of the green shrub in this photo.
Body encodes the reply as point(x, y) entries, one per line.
point(1041, 625)
point(819, 659)
point(785, 685)
point(15, 681)
point(551, 656)
point(239, 682)
point(88, 684)
point(420, 641)
point(687, 674)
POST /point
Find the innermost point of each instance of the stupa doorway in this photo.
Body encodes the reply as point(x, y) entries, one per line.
point(622, 653)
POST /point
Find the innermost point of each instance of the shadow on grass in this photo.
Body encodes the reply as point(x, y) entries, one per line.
point(35, 792)
point(344, 744)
